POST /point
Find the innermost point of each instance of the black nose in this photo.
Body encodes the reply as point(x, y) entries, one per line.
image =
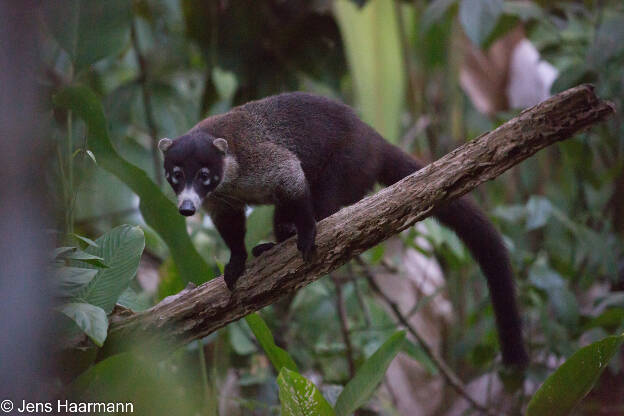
point(187, 208)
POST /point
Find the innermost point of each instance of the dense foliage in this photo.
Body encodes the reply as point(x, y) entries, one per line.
point(119, 75)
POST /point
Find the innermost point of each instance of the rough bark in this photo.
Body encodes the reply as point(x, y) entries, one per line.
point(281, 271)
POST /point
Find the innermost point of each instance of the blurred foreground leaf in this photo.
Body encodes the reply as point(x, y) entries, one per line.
point(363, 384)
point(300, 397)
point(571, 382)
point(91, 319)
point(279, 358)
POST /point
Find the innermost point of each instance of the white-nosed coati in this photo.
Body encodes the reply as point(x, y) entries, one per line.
point(310, 156)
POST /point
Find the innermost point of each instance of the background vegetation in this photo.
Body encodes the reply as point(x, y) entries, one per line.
point(118, 75)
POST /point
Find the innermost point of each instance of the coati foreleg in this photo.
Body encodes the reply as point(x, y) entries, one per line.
point(293, 215)
point(229, 219)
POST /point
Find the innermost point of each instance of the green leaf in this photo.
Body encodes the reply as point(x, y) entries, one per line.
point(135, 301)
point(71, 279)
point(479, 18)
point(85, 240)
point(610, 320)
point(144, 379)
point(61, 251)
point(157, 211)
point(571, 382)
point(86, 257)
point(434, 12)
point(538, 211)
point(88, 30)
point(375, 62)
point(91, 319)
point(358, 390)
point(523, 10)
point(278, 357)
point(300, 397)
point(241, 342)
point(121, 250)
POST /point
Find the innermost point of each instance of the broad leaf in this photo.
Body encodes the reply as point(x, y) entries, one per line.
point(363, 384)
point(300, 397)
point(70, 280)
point(91, 319)
point(375, 62)
point(571, 382)
point(479, 18)
point(121, 250)
point(142, 380)
point(278, 357)
point(158, 211)
point(88, 30)
point(85, 257)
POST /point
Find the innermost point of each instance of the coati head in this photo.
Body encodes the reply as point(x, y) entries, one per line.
point(193, 167)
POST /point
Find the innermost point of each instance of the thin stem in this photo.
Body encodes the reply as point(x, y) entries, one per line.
point(69, 219)
point(451, 378)
point(204, 373)
point(410, 70)
point(147, 102)
point(344, 326)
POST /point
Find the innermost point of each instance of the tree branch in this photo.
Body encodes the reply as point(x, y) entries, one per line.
point(281, 271)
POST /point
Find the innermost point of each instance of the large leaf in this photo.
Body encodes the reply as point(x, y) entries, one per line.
point(91, 319)
point(479, 18)
point(158, 211)
point(278, 357)
point(571, 382)
point(146, 380)
point(70, 280)
point(363, 384)
point(371, 39)
point(121, 250)
point(88, 30)
point(300, 397)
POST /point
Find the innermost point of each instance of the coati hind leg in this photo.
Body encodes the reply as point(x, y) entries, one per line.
point(283, 229)
point(294, 216)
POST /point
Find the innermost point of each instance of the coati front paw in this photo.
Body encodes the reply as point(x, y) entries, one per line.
point(261, 248)
point(307, 248)
point(233, 270)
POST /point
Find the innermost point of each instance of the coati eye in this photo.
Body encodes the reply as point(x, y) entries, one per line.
point(178, 175)
point(204, 176)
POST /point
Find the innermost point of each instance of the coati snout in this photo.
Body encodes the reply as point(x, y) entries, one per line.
point(193, 167)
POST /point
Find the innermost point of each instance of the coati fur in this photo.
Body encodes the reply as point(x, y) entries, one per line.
point(309, 156)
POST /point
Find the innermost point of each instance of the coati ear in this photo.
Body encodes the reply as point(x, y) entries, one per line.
point(165, 144)
point(220, 144)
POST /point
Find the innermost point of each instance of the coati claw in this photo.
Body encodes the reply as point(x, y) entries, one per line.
point(307, 250)
point(233, 270)
point(261, 248)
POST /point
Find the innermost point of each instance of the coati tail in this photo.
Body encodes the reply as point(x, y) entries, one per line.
point(486, 246)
